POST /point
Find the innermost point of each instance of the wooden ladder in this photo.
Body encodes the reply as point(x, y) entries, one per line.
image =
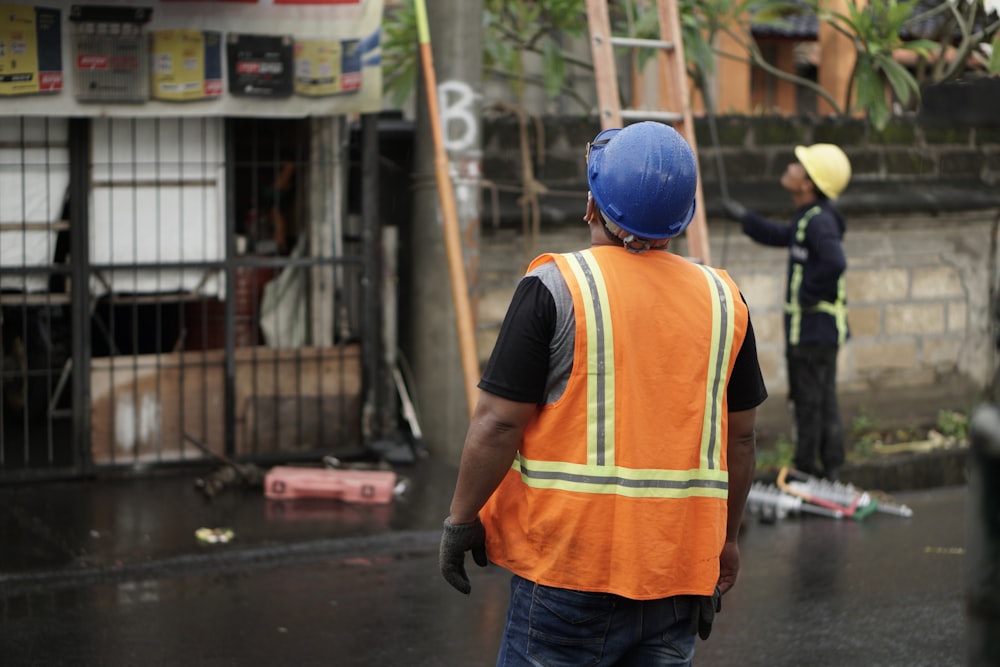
point(673, 104)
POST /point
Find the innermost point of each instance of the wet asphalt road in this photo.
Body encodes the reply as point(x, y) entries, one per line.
point(815, 592)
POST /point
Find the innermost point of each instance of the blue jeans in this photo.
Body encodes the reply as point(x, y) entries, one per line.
point(555, 627)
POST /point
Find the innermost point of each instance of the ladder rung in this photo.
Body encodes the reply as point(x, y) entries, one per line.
point(672, 88)
point(643, 43)
point(649, 114)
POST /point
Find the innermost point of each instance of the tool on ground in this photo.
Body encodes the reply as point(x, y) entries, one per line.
point(770, 504)
point(232, 473)
point(352, 486)
point(409, 410)
point(820, 492)
point(887, 505)
point(673, 105)
point(852, 501)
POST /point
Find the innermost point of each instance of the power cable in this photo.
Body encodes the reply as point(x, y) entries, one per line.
point(720, 166)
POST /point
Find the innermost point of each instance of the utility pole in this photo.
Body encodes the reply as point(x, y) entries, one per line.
point(433, 346)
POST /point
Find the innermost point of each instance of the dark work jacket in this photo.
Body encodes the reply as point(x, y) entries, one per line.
point(815, 299)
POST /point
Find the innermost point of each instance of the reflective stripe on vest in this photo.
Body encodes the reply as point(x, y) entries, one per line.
point(601, 475)
point(838, 309)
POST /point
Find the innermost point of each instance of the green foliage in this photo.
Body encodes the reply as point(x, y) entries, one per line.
point(400, 56)
point(705, 20)
point(553, 68)
point(875, 28)
point(532, 26)
point(513, 28)
point(867, 437)
point(863, 423)
point(870, 91)
point(510, 29)
point(953, 424)
point(968, 34)
point(777, 456)
point(864, 434)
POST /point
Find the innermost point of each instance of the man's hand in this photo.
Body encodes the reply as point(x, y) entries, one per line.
point(734, 209)
point(729, 566)
point(455, 541)
point(703, 614)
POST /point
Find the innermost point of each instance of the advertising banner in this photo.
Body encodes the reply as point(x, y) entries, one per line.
point(262, 58)
point(30, 50)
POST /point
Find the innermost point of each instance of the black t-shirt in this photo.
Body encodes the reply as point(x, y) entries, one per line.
point(518, 368)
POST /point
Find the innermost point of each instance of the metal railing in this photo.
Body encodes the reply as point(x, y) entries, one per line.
point(170, 295)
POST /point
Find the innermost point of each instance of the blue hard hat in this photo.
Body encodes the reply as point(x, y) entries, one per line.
point(644, 179)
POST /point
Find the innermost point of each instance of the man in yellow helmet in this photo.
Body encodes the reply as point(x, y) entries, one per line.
point(815, 304)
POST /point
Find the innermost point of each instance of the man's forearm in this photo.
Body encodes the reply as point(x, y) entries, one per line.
point(482, 469)
point(742, 465)
point(495, 432)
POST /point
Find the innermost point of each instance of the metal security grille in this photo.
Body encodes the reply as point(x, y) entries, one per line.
point(34, 297)
point(210, 317)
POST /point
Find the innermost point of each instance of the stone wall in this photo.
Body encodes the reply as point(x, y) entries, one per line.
point(923, 217)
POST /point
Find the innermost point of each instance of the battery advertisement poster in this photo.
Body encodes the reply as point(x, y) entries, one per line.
point(279, 58)
point(187, 65)
point(260, 65)
point(30, 50)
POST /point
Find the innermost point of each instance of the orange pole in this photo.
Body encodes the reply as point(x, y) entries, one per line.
point(449, 216)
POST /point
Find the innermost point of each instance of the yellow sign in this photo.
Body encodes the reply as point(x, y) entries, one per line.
point(178, 64)
point(18, 50)
point(324, 67)
point(186, 65)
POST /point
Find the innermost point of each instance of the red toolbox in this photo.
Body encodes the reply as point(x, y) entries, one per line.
point(352, 486)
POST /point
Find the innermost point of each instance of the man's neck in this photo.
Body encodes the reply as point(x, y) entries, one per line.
point(804, 199)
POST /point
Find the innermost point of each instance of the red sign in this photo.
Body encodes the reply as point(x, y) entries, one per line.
point(50, 81)
point(91, 62)
point(280, 2)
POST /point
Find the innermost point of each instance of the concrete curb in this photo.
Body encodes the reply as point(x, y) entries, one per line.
point(911, 471)
point(398, 544)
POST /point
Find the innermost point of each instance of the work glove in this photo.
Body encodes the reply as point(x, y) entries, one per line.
point(703, 614)
point(734, 209)
point(455, 541)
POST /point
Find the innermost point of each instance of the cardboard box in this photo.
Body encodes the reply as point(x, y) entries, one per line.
point(299, 400)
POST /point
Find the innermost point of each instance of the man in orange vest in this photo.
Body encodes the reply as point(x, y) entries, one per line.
point(815, 299)
point(612, 448)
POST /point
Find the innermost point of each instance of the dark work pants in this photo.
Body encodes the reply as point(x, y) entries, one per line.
point(812, 384)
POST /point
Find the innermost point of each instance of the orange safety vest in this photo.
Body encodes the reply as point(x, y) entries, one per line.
point(621, 485)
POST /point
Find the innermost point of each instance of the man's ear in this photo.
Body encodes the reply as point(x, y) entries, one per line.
point(591, 213)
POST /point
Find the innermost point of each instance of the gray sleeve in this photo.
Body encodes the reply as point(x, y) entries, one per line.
point(564, 334)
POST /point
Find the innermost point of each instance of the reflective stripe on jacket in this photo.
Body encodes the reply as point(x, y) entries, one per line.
point(620, 486)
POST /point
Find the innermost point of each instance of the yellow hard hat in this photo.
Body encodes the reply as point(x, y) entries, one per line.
point(827, 166)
